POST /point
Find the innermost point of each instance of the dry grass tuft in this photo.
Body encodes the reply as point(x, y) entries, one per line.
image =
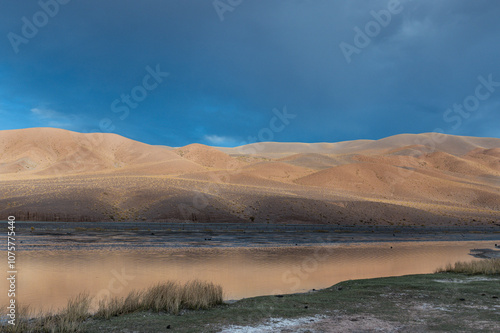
point(78, 308)
point(169, 297)
point(198, 295)
point(68, 320)
point(23, 315)
point(486, 266)
point(163, 297)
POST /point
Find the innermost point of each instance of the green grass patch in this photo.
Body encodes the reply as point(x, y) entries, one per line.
point(443, 302)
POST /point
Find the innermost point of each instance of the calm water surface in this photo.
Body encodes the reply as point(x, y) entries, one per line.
point(48, 277)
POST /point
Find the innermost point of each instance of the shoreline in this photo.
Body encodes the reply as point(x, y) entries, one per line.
point(485, 253)
point(481, 253)
point(439, 302)
point(399, 304)
point(47, 235)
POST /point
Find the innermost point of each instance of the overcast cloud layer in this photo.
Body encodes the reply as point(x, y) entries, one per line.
point(235, 66)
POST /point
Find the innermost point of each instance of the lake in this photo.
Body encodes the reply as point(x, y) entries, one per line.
point(55, 264)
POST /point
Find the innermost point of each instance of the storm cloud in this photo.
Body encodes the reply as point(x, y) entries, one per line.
point(346, 70)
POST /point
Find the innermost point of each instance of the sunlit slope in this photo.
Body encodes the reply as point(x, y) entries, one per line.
point(415, 179)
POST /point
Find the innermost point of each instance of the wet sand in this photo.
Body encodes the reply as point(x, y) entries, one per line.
point(93, 235)
point(485, 253)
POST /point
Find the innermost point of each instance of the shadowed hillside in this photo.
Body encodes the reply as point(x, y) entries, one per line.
point(408, 179)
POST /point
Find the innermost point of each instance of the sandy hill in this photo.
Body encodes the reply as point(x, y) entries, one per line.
point(276, 171)
point(488, 157)
point(316, 161)
point(208, 156)
point(461, 165)
point(428, 142)
point(413, 179)
point(284, 149)
point(48, 151)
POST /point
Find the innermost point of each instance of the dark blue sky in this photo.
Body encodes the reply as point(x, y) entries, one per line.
point(86, 66)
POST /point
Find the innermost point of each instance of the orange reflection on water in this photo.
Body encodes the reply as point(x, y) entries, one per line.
point(47, 279)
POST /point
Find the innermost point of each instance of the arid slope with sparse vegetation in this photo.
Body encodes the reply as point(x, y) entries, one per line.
point(50, 174)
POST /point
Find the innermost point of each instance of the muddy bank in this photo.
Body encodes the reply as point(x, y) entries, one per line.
point(485, 253)
point(413, 303)
point(36, 235)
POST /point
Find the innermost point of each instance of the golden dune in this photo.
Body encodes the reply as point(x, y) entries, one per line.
point(407, 179)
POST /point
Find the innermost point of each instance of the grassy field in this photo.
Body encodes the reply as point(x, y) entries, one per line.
point(442, 302)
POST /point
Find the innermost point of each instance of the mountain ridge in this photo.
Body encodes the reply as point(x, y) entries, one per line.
point(409, 178)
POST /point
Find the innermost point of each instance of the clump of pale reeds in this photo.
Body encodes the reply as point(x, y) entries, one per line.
point(22, 317)
point(486, 266)
point(169, 297)
point(78, 308)
point(67, 320)
point(199, 295)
